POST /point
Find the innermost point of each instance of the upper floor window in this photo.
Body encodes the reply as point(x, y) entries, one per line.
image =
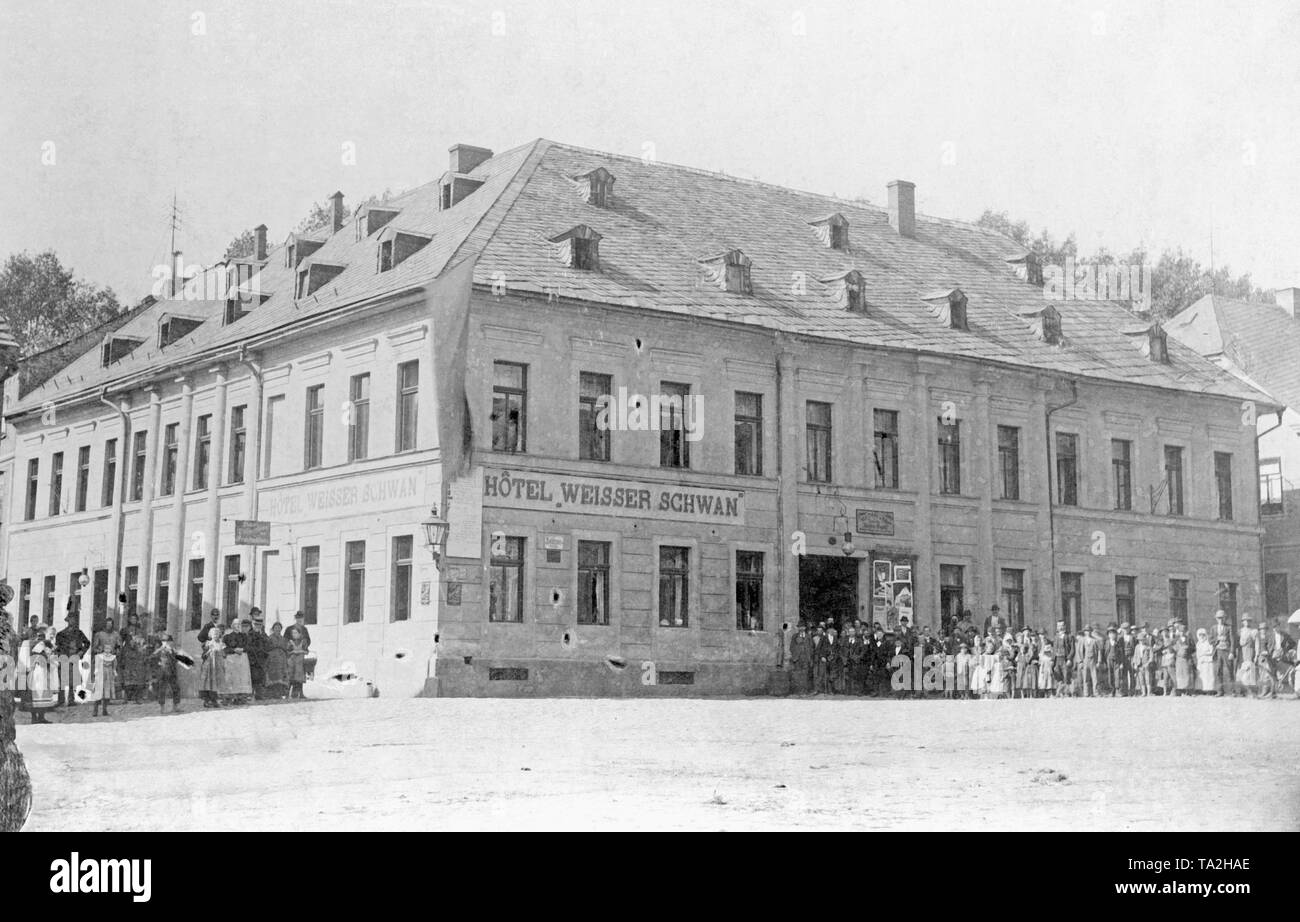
point(359, 417)
point(56, 483)
point(1067, 469)
point(238, 443)
point(33, 485)
point(509, 406)
point(593, 411)
point(408, 404)
point(83, 478)
point(1121, 466)
point(202, 451)
point(108, 483)
point(171, 446)
point(1009, 461)
point(950, 456)
point(1223, 483)
point(749, 434)
point(1174, 478)
point(139, 453)
point(884, 452)
point(1270, 486)
point(674, 405)
point(313, 455)
point(817, 441)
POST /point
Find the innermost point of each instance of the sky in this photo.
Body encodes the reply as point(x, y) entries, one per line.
point(1160, 124)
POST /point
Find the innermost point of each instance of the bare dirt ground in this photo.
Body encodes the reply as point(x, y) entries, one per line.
point(1099, 764)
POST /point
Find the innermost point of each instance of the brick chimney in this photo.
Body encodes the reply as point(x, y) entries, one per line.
point(902, 207)
point(336, 211)
point(259, 250)
point(465, 157)
point(1289, 300)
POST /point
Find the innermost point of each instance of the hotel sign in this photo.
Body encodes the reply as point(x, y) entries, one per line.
point(364, 495)
point(546, 492)
point(874, 522)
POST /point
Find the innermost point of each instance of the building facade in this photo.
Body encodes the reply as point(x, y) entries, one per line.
point(697, 410)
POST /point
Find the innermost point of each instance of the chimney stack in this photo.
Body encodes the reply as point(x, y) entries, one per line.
point(336, 210)
point(465, 157)
point(259, 251)
point(1289, 300)
point(902, 207)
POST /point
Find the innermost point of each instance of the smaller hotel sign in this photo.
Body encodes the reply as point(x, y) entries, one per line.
point(603, 496)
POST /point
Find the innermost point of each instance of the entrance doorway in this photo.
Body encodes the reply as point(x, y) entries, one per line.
point(828, 590)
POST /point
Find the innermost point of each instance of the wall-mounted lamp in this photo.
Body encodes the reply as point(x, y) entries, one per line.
point(435, 533)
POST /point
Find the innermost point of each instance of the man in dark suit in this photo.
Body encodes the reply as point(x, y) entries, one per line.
point(70, 644)
point(1224, 648)
point(214, 624)
point(801, 661)
point(1063, 663)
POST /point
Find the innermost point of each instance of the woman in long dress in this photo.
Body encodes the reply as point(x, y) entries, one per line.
point(963, 668)
point(238, 685)
point(297, 656)
point(1204, 660)
point(42, 680)
point(103, 669)
point(1027, 666)
point(1184, 663)
point(1046, 672)
point(277, 663)
point(212, 672)
point(983, 671)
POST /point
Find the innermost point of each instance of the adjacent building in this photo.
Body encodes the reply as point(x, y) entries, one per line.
point(667, 415)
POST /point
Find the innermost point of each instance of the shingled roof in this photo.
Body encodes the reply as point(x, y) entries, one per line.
point(658, 223)
point(1255, 339)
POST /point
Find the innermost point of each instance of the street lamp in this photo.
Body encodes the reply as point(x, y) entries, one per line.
point(435, 533)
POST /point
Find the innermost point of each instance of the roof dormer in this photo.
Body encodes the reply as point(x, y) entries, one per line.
point(394, 246)
point(172, 327)
point(1027, 267)
point(729, 271)
point(372, 218)
point(1045, 323)
point(298, 247)
point(849, 289)
point(116, 348)
point(313, 275)
point(832, 231)
point(453, 188)
point(595, 186)
point(949, 305)
point(1152, 340)
point(578, 248)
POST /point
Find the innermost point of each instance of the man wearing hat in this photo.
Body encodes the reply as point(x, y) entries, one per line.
point(800, 661)
point(1222, 641)
point(1248, 651)
point(214, 624)
point(1087, 657)
point(257, 645)
point(994, 620)
point(70, 644)
point(1063, 661)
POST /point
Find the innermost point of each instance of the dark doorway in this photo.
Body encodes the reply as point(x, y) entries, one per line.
point(828, 590)
point(99, 602)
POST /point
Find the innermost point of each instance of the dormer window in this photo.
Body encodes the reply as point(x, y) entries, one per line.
point(832, 231)
point(850, 290)
point(578, 248)
point(1152, 340)
point(172, 327)
point(116, 348)
point(313, 275)
point(1028, 267)
point(395, 246)
point(730, 271)
point(385, 255)
point(372, 218)
point(949, 304)
point(298, 248)
point(454, 187)
point(595, 186)
point(1045, 323)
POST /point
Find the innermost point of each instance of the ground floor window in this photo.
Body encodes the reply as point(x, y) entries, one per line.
point(230, 599)
point(195, 606)
point(354, 581)
point(1013, 598)
point(132, 590)
point(161, 592)
point(1126, 599)
point(1276, 601)
point(24, 602)
point(593, 582)
point(749, 590)
point(309, 604)
point(506, 585)
point(1072, 601)
point(952, 594)
point(1228, 602)
point(1178, 600)
point(403, 547)
point(50, 590)
point(674, 586)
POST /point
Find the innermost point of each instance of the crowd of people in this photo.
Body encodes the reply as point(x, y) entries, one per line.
point(240, 662)
point(1001, 661)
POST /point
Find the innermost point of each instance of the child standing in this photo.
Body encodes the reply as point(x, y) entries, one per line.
point(1046, 670)
point(166, 676)
point(297, 668)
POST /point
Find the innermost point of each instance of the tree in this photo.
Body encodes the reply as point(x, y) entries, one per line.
point(242, 247)
point(45, 304)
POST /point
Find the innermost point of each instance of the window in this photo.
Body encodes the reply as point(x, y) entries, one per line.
point(161, 592)
point(1270, 486)
point(230, 600)
point(1228, 602)
point(1067, 469)
point(238, 444)
point(586, 254)
point(359, 417)
point(1223, 483)
point(33, 484)
point(354, 581)
point(1178, 600)
point(1126, 599)
point(108, 485)
point(674, 586)
point(674, 449)
point(1009, 461)
point(195, 605)
point(48, 601)
point(1277, 604)
point(749, 434)
point(1174, 478)
point(949, 456)
point(749, 590)
point(171, 445)
point(24, 602)
point(593, 582)
point(83, 478)
point(817, 442)
point(132, 588)
point(309, 604)
point(139, 450)
point(56, 482)
point(594, 391)
point(408, 403)
point(385, 255)
point(1121, 467)
point(506, 580)
point(74, 591)
point(1071, 604)
point(885, 449)
point(315, 428)
point(274, 411)
point(509, 406)
point(403, 561)
point(952, 594)
point(202, 451)
point(1013, 598)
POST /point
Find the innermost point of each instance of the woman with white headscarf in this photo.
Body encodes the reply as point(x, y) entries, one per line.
point(1204, 660)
